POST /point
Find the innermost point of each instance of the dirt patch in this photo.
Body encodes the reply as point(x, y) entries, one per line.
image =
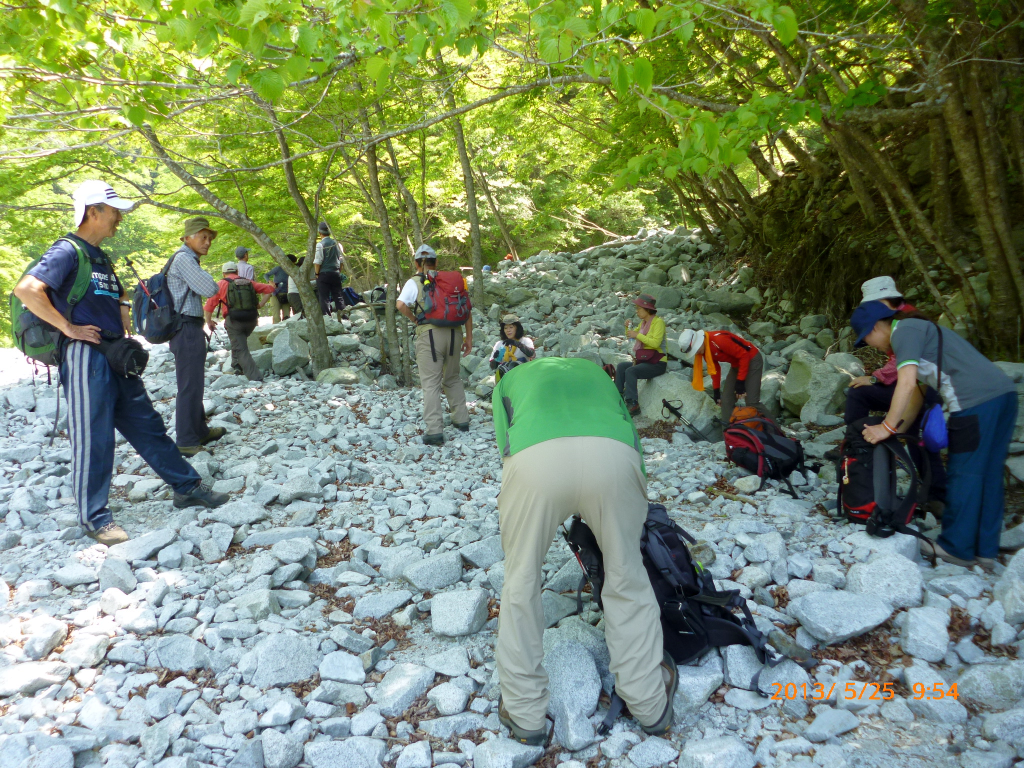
point(305, 687)
point(659, 429)
point(781, 595)
point(874, 648)
point(960, 627)
point(338, 552)
point(387, 629)
point(326, 593)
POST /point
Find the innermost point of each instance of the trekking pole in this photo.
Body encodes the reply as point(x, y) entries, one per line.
point(678, 414)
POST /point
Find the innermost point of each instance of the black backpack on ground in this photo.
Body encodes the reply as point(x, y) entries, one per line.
point(695, 616)
point(243, 306)
point(867, 476)
point(759, 445)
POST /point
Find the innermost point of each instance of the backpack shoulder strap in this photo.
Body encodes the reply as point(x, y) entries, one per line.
point(82, 278)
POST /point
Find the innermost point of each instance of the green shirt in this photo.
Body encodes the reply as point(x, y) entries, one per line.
point(559, 397)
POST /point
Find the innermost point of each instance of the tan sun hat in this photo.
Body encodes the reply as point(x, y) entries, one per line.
point(229, 266)
point(509, 319)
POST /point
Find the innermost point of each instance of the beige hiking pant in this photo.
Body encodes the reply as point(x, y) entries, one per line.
point(599, 479)
point(439, 369)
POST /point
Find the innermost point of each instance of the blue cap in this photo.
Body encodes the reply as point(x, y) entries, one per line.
point(865, 316)
point(487, 268)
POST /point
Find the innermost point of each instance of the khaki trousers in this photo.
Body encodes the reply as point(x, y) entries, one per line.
point(599, 479)
point(439, 369)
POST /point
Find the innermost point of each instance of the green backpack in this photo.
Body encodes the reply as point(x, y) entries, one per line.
point(35, 337)
point(243, 306)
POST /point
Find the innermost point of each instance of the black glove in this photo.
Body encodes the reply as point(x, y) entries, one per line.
point(718, 395)
point(741, 387)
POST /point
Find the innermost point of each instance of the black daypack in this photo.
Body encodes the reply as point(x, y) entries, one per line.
point(243, 306)
point(695, 616)
point(867, 475)
point(759, 446)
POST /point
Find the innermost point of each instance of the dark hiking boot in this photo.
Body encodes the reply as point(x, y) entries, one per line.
point(634, 407)
point(536, 738)
point(437, 439)
point(215, 433)
point(200, 496)
point(671, 676)
point(461, 427)
point(189, 450)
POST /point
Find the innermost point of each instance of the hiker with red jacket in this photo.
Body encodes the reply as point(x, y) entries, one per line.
point(236, 300)
point(746, 364)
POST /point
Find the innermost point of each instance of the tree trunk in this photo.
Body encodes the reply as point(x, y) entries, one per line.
point(860, 188)
point(942, 202)
point(390, 253)
point(320, 351)
point(691, 209)
point(802, 156)
point(1004, 309)
point(505, 234)
point(467, 180)
point(407, 196)
point(760, 162)
point(887, 173)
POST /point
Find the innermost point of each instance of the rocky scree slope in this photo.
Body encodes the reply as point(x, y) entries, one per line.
point(341, 610)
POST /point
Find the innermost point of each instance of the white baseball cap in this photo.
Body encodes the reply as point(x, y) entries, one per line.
point(93, 193)
point(878, 288)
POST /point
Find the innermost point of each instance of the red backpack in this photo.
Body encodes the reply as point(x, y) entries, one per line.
point(759, 446)
point(445, 300)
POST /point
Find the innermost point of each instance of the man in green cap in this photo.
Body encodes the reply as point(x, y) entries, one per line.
point(189, 285)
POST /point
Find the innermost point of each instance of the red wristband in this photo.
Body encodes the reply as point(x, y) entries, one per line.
point(888, 428)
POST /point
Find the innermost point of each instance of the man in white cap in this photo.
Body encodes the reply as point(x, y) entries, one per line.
point(99, 400)
point(437, 353)
point(189, 285)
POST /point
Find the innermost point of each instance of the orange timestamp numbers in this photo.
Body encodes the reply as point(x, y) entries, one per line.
point(860, 691)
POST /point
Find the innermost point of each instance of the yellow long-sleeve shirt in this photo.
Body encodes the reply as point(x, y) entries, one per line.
point(655, 336)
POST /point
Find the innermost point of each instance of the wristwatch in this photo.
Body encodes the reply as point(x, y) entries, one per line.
point(873, 379)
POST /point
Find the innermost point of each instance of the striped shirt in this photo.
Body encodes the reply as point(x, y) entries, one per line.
point(246, 270)
point(188, 283)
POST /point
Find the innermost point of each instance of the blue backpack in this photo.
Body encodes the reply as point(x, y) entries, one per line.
point(153, 308)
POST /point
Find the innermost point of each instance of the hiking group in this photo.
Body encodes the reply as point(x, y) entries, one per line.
point(563, 427)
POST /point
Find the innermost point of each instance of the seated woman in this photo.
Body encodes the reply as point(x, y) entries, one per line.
point(745, 366)
point(982, 404)
point(648, 352)
point(514, 344)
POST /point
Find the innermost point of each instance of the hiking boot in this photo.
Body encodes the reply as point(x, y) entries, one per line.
point(437, 439)
point(110, 534)
point(189, 450)
point(671, 676)
point(934, 549)
point(461, 427)
point(633, 406)
point(215, 433)
point(200, 496)
point(536, 738)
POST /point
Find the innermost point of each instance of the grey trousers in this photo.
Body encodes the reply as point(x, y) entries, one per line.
point(599, 479)
point(753, 382)
point(189, 349)
point(241, 357)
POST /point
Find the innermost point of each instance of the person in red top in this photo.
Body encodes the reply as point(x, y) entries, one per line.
point(239, 322)
point(746, 363)
point(874, 393)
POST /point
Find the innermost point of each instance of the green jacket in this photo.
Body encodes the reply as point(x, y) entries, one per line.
point(559, 397)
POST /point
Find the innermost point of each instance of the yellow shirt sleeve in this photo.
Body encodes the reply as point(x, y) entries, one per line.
point(656, 337)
